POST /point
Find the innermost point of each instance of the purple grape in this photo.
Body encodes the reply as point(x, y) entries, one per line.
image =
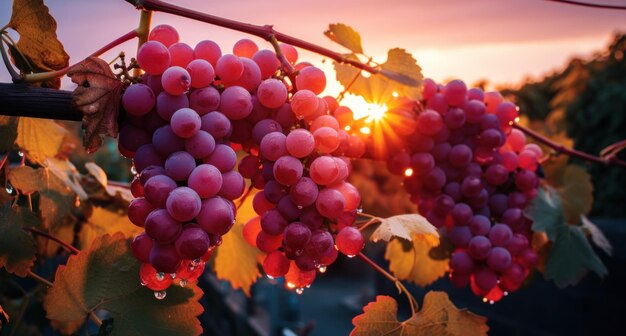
point(157, 188)
point(296, 235)
point(479, 247)
point(161, 227)
point(233, 185)
point(272, 222)
point(183, 204)
point(223, 158)
point(192, 243)
point(164, 258)
point(179, 165)
point(499, 259)
point(216, 216)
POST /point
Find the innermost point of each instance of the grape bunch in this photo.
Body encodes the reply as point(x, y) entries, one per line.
point(471, 174)
point(193, 108)
point(177, 130)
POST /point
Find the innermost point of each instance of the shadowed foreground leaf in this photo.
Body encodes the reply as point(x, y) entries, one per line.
point(438, 317)
point(17, 248)
point(106, 276)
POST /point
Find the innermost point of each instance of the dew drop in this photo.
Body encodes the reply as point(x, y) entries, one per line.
point(359, 209)
point(269, 277)
point(160, 276)
point(142, 283)
point(196, 262)
point(300, 290)
point(351, 255)
point(133, 170)
point(322, 269)
point(506, 293)
point(491, 302)
point(291, 285)
point(183, 282)
point(173, 275)
point(485, 300)
point(20, 153)
point(160, 295)
point(9, 188)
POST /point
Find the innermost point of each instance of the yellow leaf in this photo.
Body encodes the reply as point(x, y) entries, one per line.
point(67, 172)
point(38, 39)
point(405, 227)
point(39, 138)
point(345, 35)
point(104, 221)
point(399, 74)
point(236, 261)
point(576, 192)
point(415, 265)
point(438, 317)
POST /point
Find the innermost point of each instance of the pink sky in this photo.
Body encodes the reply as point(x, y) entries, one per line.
point(502, 41)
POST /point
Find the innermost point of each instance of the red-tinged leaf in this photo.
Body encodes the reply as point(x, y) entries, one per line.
point(345, 35)
point(38, 49)
point(438, 316)
point(17, 248)
point(106, 276)
point(98, 97)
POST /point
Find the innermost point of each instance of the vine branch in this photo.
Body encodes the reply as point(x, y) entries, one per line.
point(265, 32)
point(588, 4)
point(63, 244)
point(560, 149)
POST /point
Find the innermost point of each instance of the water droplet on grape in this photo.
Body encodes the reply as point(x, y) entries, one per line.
point(183, 282)
point(160, 276)
point(196, 262)
point(269, 276)
point(291, 285)
point(142, 283)
point(173, 275)
point(20, 153)
point(300, 290)
point(133, 170)
point(9, 188)
point(299, 252)
point(359, 209)
point(351, 255)
point(506, 293)
point(491, 302)
point(485, 300)
point(322, 269)
point(300, 207)
point(160, 295)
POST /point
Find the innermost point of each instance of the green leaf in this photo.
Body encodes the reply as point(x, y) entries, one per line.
point(17, 248)
point(576, 192)
point(546, 211)
point(439, 316)
point(39, 138)
point(345, 36)
point(399, 74)
point(106, 276)
point(416, 264)
point(572, 257)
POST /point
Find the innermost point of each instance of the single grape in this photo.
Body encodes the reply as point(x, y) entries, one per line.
point(164, 258)
point(181, 54)
point(216, 216)
point(272, 93)
point(183, 204)
point(233, 185)
point(296, 235)
point(138, 210)
point(192, 243)
point(179, 165)
point(161, 227)
point(276, 264)
point(288, 170)
point(208, 51)
point(138, 99)
point(157, 188)
point(236, 103)
point(176, 80)
point(350, 241)
point(153, 57)
point(140, 247)
point(165, 34)
point(311, 78)
point(185, 123)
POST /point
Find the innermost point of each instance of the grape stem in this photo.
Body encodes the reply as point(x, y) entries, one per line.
point(265, 32)
point(395, 280)
point(66, 246)
point(289, 69)
point(610, 159)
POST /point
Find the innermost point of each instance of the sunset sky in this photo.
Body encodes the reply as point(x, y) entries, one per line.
point(502, 41)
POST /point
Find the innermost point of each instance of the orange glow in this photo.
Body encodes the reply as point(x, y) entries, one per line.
point(363, 109)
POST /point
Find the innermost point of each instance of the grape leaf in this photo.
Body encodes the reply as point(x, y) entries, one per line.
point(68, 174)
point(345, 36)
point(415, 265)
point(438, 316)
point(17, 248)
point(405, 227)
point(38, 41)
point(243, 273)
point(572, 257)
point(576, 193)
point(98, 173)
point(399, 74)
point(98, 97)
point(597, 236)
point(546, 210)
point(27, 180)
point(104, 221)
point(39, 139)
point(106, 277)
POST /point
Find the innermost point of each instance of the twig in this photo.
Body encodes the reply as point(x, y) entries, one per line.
point(396, 281)
point(264, 32)
point(560, 149)
point(65, 245)
point(587, 4)
point(40, 279)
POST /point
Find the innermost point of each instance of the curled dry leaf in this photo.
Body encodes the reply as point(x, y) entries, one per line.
point(98, 97)
point(38, 43)
point(405, 227)
point(439, 316)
